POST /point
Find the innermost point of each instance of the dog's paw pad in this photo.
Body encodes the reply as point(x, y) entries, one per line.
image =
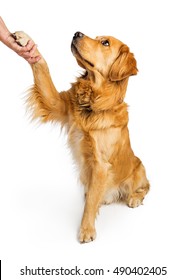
point(21, 38)
point(87, 235)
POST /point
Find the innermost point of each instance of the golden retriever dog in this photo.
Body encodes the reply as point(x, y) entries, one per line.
point(96, 118)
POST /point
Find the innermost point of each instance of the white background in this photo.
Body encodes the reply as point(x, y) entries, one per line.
point(41, 202)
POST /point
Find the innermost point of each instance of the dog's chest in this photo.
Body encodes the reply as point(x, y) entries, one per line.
point(106, 142)
point(99, 144)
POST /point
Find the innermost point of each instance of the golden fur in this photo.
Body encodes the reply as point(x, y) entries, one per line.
point(96, 119)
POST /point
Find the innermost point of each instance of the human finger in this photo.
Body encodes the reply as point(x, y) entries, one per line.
point(26, 54)
point(33, 49)
point(29, 45)
point(33, 60)
point(29, 57)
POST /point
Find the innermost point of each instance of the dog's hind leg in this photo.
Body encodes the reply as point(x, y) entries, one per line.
point(135, 187)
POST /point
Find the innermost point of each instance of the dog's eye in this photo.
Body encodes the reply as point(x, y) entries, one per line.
point(105, 43)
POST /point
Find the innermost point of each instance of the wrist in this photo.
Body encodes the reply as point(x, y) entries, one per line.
point(5, 36)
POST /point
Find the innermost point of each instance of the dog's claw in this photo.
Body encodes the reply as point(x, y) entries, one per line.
point(87, 235)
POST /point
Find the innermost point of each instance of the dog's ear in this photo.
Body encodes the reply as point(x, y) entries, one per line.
point(124, 66)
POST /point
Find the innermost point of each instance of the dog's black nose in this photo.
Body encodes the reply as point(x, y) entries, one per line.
point(78, 35)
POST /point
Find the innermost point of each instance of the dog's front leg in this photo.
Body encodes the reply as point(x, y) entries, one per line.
point(44, 100)
point(94, 197)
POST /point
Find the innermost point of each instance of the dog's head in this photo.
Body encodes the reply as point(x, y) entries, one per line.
point(104, 55)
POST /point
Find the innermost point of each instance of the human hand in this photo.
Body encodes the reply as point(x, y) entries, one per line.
point(27, 51)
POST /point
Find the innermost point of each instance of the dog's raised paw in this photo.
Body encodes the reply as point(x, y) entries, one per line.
point(87, 235)
point(21, 38)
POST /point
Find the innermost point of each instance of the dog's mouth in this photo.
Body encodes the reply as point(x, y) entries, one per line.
point(81, 60)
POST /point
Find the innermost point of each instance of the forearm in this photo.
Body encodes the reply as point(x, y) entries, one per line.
point(4, 33)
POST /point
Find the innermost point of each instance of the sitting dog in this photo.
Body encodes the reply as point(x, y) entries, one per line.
point(96, 118)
